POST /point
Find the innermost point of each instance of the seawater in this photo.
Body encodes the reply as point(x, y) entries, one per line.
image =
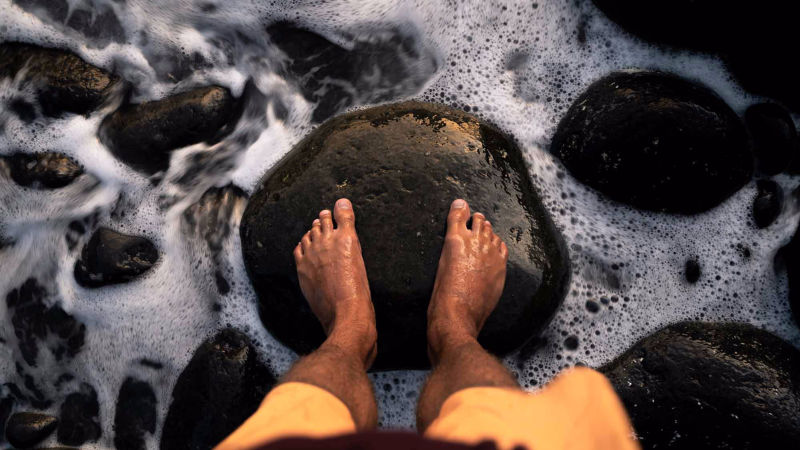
point(518, 65)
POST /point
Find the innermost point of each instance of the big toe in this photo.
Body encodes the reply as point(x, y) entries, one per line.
point(458, 215)
point(343, 213)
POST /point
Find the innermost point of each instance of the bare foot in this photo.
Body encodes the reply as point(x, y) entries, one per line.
point(334, 280)
point(469, 281)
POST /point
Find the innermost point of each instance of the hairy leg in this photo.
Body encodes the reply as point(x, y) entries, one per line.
point(334, 281)
point(469, 283)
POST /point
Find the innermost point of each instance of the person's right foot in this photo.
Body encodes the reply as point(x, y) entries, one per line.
point(469, 281)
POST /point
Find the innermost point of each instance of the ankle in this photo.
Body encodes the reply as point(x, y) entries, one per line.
point(356, 338)
point(447, 335)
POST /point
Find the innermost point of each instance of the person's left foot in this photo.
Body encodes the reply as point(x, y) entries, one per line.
point(334, 280)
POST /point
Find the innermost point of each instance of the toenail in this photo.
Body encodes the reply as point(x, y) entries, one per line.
point(343, 203)
point(324, 212)
point(459, 203)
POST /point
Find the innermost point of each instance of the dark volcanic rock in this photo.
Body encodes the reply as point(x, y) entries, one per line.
point(405, 157)
point(65, 82)
point(112, 257)
point(768, 203)
point(223, 384)
point(380, 65)
point(26, 429)
point(774, 136)
point(34, 319)
point(79, 422)
point(135, 416)
point(702, 385)
point(654, 141)
point(50, 170)
point(752, 40)
point(143, 135)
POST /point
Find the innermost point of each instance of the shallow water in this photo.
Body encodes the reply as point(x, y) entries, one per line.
point(516, 64)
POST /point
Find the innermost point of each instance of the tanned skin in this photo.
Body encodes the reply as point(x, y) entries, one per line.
point(469, 282)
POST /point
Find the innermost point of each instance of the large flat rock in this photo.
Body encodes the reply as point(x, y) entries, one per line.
point(402, 165)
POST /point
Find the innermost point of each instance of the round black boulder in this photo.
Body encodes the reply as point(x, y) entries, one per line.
point(144, 135)
point(43, 170)
point(26, 429)
point(135, 415)
point(704, 385)
point(79, 420)
point(402, 165)
point(65, 83)
point(654, 141)
point(223, 384)
point(111, 257)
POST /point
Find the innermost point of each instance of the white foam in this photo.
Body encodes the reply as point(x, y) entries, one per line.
point(513, 63)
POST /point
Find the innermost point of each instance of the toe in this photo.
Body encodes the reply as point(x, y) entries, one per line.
point(316, 229)
point(298, 252)
point(496, 241)
point(327, 221)
point(306, 242)
point(477, 222)
point(486, 229)
point(458, 216)
point(503, 250)
point(344, 215)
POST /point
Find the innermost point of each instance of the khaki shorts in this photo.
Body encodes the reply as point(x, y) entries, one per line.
point(578, 410)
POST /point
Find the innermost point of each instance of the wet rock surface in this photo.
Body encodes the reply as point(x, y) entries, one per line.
point(40, 322)
point(774, 136)
point(135, 417)
point(768, 203)
point(704, 385)
point(406, 157)
point(26, 429)
point(751, 40)
point(143, 135)
point(654, 141)
point(79, 420)
point(111, 257)
point(378, 67)
point(222, 385)
point(46, 170)
point(65, 82)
